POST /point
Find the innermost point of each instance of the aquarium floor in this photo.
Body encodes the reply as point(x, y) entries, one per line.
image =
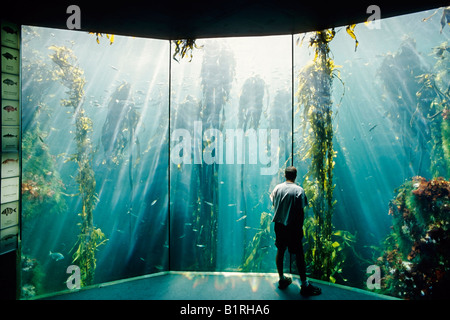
point(211, 286)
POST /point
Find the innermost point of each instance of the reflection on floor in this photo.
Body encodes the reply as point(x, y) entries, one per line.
point(211, 286)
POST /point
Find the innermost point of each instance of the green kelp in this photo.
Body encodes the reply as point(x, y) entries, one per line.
point(31, 277)
point(251, 106)
point(258, 248)
point(119, 129)
point(421, 117)
point(335, 250)
point(90, 237)
point(415, 263)
point(184, 47)
point(408, 111)
point(314, 99)
point(109, 36)
point(445, 18)
point(251, 102)
point(218, 69)
point(42, 186)
point(351, 31)
point(436, 82)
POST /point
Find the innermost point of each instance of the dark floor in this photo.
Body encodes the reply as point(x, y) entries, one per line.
point(211, 286)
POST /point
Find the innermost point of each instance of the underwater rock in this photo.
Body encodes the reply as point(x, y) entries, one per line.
point(421, 236)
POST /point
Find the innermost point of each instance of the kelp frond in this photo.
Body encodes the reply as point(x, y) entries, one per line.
point(71, 76)
point(109, 36)
point(351, 31)
point(183, 47)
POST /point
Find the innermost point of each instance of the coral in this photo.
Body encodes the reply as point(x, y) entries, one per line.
point(416, 259)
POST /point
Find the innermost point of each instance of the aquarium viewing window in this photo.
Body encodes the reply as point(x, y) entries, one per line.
point(136, 161)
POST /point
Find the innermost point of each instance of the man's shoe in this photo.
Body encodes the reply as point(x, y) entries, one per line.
point(310, 290)
point(284, 283)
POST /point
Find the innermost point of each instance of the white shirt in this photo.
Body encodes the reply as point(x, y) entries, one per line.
point(288, 200)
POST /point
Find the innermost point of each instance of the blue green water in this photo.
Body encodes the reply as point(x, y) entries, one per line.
point(204, 208)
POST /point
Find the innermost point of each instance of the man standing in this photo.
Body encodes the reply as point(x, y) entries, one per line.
point(289, 200)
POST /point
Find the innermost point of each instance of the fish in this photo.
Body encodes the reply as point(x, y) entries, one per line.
point(9, 56)
point(153, 202)
point(9, 108)
point(56, 256)
point(9, 82)
point(257, 229)
point(201, 245)
point(8, 210)
point(232, 205)
point(373, 127)
point(114, 68)
point(10, 160)
point(209, 203)
point(241, 218)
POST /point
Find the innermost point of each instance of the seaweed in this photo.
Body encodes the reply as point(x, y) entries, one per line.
point(415, 262)
point(109, 36)
point(42, 186)
point(119, 129)
point(445, 18)
point(90, 237)
point(410, 113)
point(351, 31)
point(216, 78)
point(258, 248)
point(31, 277)
point(439, 110)
point(184, 47)
point(251, 102)
point(314, 99)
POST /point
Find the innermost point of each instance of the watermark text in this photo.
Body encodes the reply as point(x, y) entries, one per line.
point(232, 147)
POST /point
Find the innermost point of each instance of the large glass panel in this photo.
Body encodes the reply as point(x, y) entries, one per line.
point(389, 101)
point(129, 169)
point(230, 135)
point(95, 155)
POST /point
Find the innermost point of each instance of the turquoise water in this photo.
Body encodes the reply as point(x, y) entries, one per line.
point(184, 154)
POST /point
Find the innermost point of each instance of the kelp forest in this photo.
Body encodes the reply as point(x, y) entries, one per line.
point(143, 156)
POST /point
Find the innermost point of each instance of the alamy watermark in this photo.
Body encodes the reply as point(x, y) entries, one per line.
point(373, 21)
point(232, 147)
point(374, 280)
point(74, 20)
point(74, 280)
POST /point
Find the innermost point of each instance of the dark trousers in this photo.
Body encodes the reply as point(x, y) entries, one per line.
point(290, 237)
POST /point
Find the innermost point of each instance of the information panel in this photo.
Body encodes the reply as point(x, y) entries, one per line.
point(10, 134)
